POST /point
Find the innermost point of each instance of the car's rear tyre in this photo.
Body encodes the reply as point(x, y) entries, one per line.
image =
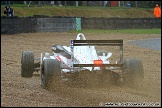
point(51, 73)
point(134, 72)
point(27, 64)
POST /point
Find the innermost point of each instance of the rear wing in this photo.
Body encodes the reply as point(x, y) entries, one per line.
point(97, 43)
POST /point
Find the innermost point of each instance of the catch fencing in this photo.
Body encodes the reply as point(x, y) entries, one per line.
point(137, 4)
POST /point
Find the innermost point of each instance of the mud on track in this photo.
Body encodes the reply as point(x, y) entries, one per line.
point(18, 91)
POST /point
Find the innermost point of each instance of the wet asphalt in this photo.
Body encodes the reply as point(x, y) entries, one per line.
point(154, 44)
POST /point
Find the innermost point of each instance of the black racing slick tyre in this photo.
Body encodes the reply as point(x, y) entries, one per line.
point(50, 72)
point(27, 64)
point(135, 72)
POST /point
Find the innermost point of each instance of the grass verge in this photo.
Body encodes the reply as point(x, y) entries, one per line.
point(126, 31)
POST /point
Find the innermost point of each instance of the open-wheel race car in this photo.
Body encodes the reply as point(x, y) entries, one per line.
point(81, 56)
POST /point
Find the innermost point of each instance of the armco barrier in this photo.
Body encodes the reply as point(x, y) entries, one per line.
point(12, 25)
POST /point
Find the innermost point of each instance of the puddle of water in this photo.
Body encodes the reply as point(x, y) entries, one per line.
point(154, 43)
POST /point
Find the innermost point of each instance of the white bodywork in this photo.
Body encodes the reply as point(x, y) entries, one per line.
point(82, 55)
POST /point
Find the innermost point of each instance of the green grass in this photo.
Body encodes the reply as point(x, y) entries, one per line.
point(81, 11)
point(126, 31)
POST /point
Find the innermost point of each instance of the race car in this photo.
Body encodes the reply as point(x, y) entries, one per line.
point(81, 55)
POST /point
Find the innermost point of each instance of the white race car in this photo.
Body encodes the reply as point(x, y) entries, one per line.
point(81, 55)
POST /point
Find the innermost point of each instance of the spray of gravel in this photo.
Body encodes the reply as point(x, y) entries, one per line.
point(82, 87)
